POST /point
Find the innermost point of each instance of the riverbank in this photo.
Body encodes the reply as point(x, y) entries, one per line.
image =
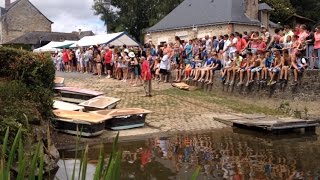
point(174, 111)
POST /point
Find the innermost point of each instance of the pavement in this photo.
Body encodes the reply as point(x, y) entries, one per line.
point(171, 114)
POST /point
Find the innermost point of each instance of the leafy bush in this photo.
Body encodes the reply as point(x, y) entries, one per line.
point(26, 89)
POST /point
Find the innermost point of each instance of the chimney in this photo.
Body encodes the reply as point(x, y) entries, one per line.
point(7, 3)
point(79, 30)
point(252, 9)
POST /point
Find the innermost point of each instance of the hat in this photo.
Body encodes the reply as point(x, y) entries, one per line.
point(126, 50)
point(132, 55)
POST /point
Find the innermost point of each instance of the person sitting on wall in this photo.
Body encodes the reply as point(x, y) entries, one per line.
point(298, 64)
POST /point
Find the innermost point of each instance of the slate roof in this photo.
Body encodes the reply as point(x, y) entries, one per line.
point(265, 7)
point(204, 12)
point(34, 38)
point(274, 25)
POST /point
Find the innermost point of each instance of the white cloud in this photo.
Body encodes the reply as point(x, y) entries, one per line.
point(69, 15)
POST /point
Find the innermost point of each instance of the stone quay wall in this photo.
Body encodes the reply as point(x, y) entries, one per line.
point(308, 88)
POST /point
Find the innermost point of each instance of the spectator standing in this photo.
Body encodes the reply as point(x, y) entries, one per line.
point(310, 48)
point(226, 49)
point(146, 76)
point(107, 61)
point(317, 45)
point(66, 60)
point(233, 46)
point(165, 62)
point(287, 32)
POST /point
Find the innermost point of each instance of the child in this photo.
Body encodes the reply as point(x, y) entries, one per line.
point(267, 65)
point(204, 70)
point(259, 66)
point(285, 67)
point(276, 67)
point(235, 67)
point(156, 69)
point(298, 64)
point(250, 65)
point(193, 64)
point(295, 45)
point(217, 65)
point(224, 71)
point(244, 66)
point(288, 45)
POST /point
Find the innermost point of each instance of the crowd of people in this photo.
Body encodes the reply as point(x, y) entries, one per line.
point(252, 56)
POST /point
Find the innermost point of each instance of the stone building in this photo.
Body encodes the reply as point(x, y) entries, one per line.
point(20, 17)
point(197, 18)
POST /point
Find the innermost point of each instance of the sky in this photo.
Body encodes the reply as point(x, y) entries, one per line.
point(69, 15)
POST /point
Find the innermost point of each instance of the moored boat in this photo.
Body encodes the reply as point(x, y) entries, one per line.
point(79, 123)
point(76, 95)
point(100, 103)
point(60, 105)
point(59, 82)
point(122, 119)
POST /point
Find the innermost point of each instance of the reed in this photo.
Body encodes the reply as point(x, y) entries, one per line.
point(34, 170)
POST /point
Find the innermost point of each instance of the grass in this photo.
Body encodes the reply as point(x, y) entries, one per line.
point(232, 103)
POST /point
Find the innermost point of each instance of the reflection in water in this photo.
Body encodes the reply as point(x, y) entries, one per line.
point(221, 155)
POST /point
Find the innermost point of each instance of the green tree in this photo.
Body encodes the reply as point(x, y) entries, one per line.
point(307, 8)
point(134, 16)
point(282, 10)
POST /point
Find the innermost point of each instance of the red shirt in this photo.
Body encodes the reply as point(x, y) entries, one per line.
point(241, 44)
point(262, 46)
point(146, 72)
point(65, 57)
point(108, 57)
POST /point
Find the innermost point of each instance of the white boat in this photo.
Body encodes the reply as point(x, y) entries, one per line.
point(79, 123)
point(76, 95)
point(100, 103)
point(59, 82)
point(122, 119)
point(60, 105)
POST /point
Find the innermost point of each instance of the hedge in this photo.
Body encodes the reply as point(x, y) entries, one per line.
point(26, 89)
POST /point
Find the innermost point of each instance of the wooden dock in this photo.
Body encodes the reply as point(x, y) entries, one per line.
point(262, 122)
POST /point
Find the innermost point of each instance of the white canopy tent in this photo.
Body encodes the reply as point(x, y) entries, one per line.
point(52, 46)
point(115, 39)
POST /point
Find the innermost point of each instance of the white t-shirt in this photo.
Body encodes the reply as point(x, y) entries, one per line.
point(226, 44)
point(208, 45)
point(164, 62)
point(234, 48)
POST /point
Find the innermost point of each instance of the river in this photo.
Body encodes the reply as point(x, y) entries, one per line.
point(223, 154)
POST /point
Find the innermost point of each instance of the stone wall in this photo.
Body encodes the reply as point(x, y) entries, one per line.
point(308, 88)
point(241, 28)
point(23, 18)
point(186, 34)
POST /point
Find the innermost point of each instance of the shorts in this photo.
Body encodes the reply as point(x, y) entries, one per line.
point(108, 66)
point(137, 71)
point(275, 70)
point(163, 71)
point(66, 63)
point(257, 69)
point(216, 69)
point(254, 50)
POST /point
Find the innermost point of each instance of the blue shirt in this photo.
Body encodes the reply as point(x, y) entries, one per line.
point(217, 62)
point(193, 64)
point(189, 51)
point(209, 61)
point(268, 62)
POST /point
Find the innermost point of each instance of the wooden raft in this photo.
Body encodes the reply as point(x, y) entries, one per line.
point(266, 123)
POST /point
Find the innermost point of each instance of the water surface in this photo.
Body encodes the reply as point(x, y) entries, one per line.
point(224, 154)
